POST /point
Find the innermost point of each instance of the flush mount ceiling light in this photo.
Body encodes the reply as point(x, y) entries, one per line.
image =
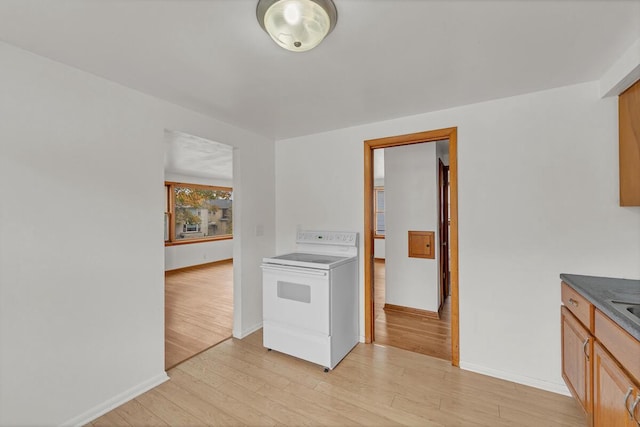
point(297, 25)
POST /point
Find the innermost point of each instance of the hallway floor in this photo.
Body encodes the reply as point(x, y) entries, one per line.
point(408, 331)
point(198, 309)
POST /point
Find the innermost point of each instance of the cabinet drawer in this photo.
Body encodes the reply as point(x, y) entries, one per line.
point(624, 347)
point(578, 305)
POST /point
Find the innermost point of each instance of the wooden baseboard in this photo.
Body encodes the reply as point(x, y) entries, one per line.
point(412, 311)
point(195, 267)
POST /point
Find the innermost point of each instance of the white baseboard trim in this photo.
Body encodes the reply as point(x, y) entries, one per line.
point(116, 401)
point(520, 379)
point(242, 334)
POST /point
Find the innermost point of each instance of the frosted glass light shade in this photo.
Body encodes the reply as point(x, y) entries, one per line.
point(297, 25)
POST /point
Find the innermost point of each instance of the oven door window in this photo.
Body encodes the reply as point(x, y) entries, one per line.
point(294, 291)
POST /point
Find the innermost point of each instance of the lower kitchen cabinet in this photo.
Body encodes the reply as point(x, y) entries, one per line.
point(615, 396)
point(600, 350)
point(577, 346)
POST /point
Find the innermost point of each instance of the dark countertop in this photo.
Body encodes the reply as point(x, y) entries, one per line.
point(600, 291)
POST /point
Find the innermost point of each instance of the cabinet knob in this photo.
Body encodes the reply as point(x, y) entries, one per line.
point(573, 302)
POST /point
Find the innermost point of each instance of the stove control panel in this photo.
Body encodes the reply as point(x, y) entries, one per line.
point(346, 238)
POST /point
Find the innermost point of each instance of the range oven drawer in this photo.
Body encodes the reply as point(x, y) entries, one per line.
point(313, 347)
point(298, 297)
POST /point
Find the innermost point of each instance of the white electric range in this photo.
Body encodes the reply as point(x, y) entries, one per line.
point(310, 298)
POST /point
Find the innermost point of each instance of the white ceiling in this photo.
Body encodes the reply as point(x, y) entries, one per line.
point(385, 58)
point(195, 156)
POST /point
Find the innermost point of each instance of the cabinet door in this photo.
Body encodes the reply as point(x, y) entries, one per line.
point(629, 151)
point(577, 346)
point(613, 392)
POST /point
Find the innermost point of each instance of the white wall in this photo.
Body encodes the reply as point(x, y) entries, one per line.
point(379, 249)
point(538, 196)
point(442, 148)
point(180, 256)
point(379, 245)
point(411, 196)
point(82, 305)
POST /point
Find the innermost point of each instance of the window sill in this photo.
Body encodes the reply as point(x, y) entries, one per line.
point(376, 236)
point(206, 239)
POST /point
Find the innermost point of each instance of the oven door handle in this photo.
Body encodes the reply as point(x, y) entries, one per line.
point(295, 270)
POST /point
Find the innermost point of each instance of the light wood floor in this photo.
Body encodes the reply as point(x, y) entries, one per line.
point(410, 332)
point(238, 382)
point(198, 309)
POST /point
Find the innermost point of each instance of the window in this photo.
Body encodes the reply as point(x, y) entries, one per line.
point(196, 213)
point(191, 227)
point(378, 193)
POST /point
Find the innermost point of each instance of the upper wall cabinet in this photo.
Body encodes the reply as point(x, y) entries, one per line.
point(629, 123)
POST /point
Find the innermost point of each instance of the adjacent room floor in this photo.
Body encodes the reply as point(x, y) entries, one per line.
point(408, 331)
point(239, 382)
point(198, 309)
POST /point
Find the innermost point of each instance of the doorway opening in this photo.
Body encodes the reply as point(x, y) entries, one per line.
point(198, 245)
point(372, 230)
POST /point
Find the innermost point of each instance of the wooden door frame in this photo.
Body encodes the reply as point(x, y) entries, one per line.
point(396, 141)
